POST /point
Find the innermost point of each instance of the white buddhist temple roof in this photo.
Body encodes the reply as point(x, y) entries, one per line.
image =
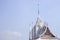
point(40, 30)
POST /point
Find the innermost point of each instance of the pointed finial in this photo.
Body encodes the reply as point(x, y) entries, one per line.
point(38, 8)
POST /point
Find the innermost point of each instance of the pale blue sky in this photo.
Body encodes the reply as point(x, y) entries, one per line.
point(16, 15)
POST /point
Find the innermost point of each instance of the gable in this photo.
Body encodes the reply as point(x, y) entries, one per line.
point(47, 34)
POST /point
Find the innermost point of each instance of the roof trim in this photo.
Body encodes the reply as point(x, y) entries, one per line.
point(46, 32)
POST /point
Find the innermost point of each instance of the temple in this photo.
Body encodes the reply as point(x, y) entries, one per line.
point(41, 31)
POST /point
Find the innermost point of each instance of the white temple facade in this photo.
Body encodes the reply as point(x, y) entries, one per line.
point(41, 31)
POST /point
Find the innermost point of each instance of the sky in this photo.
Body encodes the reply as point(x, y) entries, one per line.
point(17, 15)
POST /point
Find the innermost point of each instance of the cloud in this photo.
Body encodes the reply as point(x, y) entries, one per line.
point(10, 35)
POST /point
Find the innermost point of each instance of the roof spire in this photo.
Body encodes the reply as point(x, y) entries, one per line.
point(38, 22)
point(38, 8)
